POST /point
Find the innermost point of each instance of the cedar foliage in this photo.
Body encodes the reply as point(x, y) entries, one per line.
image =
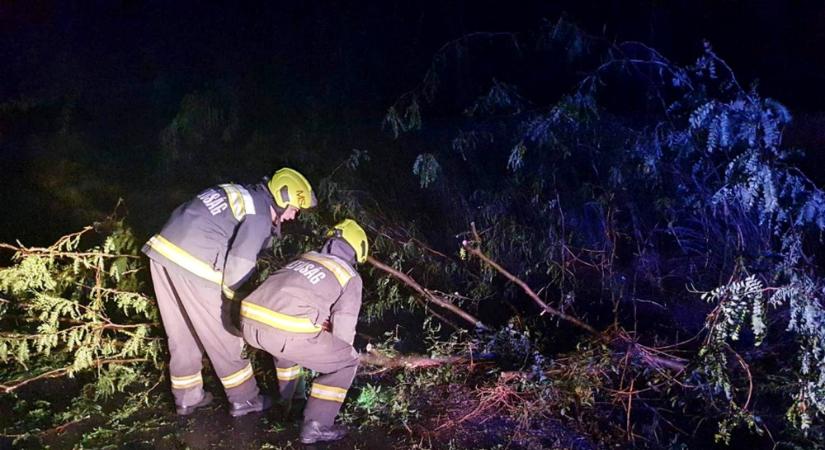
point(77, 308)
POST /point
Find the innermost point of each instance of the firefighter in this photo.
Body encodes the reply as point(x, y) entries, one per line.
point(287, 316)
point(206, 250)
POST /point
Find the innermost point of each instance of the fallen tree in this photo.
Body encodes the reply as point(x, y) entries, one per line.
point(656, 199)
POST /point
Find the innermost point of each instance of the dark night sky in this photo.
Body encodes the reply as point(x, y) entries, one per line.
point(128, 63)
point(373, 50)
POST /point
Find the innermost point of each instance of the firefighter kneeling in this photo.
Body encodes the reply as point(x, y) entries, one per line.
point(285, 317)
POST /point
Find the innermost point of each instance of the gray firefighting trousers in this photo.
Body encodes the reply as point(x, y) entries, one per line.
point(191, 314)
point(335, 359)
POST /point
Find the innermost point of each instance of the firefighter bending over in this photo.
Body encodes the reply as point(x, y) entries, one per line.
point(206, 250)
point(285, 316)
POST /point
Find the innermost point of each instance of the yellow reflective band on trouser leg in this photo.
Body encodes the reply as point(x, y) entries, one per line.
point(187, 381)
point(238, 378)
point(289, 373)
point(331, 393)
point(277, 320)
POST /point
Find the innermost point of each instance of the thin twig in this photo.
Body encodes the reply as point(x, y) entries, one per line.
point(471, 249)
point(748, 372)
point(6, 388)
point(429, 295)
point(629, 410)
point(50, 252)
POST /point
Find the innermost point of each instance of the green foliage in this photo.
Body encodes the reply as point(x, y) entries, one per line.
point(382, 404)
point(406, 120)
point(736, 302)
point(370, 398)
point(427, 168)
point(126, 420)
point(387, 298)
point(76, 307)
point(502, 98)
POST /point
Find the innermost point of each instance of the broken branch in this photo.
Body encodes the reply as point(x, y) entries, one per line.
point(426, 293)
point(473, 250)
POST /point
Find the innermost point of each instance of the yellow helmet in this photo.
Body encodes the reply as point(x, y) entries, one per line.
point(290, 188)
point(350, 231)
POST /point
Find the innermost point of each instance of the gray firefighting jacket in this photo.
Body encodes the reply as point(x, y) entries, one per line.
point(298, 298)
point(217, 235)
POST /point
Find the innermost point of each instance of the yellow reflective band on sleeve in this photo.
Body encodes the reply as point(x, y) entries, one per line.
point(180, 257)
point(342, 274)
point(330, 393)
point(237, 378)
point(240, 202)
point(187, 381)
point(277, 320)
point(289, 373)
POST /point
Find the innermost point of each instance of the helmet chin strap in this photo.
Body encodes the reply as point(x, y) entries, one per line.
point(276, 220)
point(276, 229)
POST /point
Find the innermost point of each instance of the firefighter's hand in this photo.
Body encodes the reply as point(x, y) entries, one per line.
point(326, 326)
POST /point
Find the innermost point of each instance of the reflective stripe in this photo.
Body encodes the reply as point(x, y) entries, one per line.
point(240, 202)
point(248, 204)
point(182, 258)
point(237, 378)
point(278, 320)
point(342, 274)
point(187, 381)
point(325, 392)
point(289, 373)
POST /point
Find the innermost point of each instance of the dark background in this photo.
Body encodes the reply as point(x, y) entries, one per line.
point(104, 78)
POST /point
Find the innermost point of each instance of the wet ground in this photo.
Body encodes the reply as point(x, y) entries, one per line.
point(208, 428)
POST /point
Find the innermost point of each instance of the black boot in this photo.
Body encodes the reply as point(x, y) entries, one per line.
point(186, 410)
point(256, 404)
point(312, 432)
